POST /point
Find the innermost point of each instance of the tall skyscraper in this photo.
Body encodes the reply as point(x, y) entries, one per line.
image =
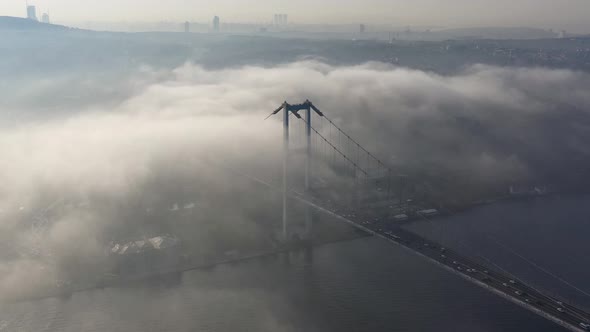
point(45, 18)
point(216, 24)
point(32, 12)
point(187, 27)
point(362, 28)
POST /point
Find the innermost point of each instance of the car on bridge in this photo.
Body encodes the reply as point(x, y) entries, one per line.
point(585, 326)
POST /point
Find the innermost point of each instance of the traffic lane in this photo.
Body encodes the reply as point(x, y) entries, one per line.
point(411, 240)
point(581, 313)
point(515, 289)
point(500, 282)
point(544, 299)
point(508, 286)
point(469, 264)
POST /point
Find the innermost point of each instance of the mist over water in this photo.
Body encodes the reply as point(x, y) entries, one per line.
point(365, 284)
point(98, 150)
point(156, 134)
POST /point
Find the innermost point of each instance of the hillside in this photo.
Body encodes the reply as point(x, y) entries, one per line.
point(498, 33)
point(18, 23)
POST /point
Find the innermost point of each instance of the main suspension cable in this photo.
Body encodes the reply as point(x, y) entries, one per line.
point(337, 150)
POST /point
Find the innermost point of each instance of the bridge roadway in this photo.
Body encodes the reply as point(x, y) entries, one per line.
point(508, 287)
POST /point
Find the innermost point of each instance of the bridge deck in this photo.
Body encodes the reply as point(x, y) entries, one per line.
point(509, 288)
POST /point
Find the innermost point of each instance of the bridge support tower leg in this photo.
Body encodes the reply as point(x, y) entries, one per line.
point(308, 218)
point(285, 169)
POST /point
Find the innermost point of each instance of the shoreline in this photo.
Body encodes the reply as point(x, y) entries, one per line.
point(292, 247)
point(174, 273)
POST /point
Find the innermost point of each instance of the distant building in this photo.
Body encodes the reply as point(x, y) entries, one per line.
point(281, 19)
point(391, 38)
point(216, 24)
point(32, 13)
point(362, 28)
point(563, 34)
point(161, 254)
point(45, 18)
point(187, 27)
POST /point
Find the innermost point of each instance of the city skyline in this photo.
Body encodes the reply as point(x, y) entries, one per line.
point(452, 13)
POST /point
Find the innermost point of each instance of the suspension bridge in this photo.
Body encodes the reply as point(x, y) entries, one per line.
point(343, 179)
point(324, 169)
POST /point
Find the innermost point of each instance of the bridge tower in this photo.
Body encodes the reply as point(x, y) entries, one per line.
point(287, 109)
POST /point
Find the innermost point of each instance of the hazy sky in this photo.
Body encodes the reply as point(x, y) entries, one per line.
point(542, 13)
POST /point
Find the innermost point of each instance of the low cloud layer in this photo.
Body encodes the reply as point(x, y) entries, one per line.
point(75, 175)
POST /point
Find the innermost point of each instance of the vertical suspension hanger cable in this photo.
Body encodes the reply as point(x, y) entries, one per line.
point(357, 156)
point(322, 129)
point(340, 143)
point(349, 152)
point(332, 139)
point(342, 154)
point(325, 145)
point(322, 142)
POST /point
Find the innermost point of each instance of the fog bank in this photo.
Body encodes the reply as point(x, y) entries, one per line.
point(75, 178)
